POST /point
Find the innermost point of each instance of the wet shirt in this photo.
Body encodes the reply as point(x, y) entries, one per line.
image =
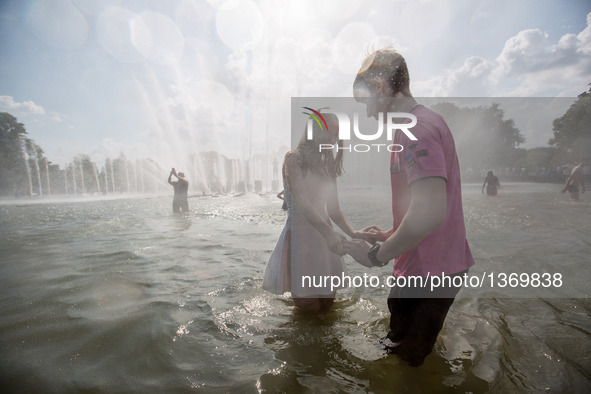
point(445, 249)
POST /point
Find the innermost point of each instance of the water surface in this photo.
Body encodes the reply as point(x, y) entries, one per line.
point(123, 296)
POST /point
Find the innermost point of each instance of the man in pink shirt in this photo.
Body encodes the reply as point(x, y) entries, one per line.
point(428, 237)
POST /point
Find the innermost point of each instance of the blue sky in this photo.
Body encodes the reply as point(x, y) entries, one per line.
point(167, 78)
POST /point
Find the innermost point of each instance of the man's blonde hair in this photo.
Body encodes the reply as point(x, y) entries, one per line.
point(385, 64)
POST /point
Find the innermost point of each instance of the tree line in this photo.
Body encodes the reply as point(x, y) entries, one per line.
point(26, 171)
point(484, 140)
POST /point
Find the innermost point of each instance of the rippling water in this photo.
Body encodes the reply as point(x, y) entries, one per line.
point(123, 296)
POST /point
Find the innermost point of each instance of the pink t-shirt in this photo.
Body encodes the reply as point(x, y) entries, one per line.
point(445, 250)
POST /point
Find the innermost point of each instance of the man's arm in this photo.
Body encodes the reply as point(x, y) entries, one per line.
point(567, 183)
point(172, 172)
point(426, 212)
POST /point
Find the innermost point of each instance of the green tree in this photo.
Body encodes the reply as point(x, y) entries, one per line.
point(537, 158)
point(484, 139)
point(13, 137)
point(572, 131)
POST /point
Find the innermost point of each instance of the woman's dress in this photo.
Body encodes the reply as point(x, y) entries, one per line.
point(301, 262)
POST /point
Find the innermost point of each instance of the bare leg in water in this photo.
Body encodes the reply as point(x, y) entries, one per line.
point(313, 305)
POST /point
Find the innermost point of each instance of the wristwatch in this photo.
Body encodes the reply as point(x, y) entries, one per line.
point(373, 256)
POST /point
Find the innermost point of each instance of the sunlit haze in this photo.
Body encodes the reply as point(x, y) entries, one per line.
point(163, 79)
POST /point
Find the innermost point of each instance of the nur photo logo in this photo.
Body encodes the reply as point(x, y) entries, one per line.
point(315, 115)
point(393, 121)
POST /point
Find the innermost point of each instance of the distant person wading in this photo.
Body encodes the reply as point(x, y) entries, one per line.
point(181, 186)
point(492, 183)
point(575, 180)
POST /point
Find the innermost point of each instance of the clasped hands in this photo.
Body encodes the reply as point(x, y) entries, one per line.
point(359, 244)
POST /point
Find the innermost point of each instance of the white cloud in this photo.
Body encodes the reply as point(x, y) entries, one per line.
point(8, 104)
point(539, 65)
point(527, 51)
point(530, 64)
point(471, 79)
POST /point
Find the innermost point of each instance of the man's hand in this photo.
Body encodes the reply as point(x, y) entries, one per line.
point(358, 249)
point(373, 234)
point(364, 235)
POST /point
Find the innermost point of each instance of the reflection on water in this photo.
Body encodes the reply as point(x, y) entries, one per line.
point(123, 295)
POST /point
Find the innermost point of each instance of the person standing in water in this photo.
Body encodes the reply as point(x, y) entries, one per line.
point(281, 196)
point(181, 187)
point(428, 237)
point(574, 180)
point(493, 183)
point(308, 246)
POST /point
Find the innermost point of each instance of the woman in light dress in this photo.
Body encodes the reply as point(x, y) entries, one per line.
point(309, 248)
